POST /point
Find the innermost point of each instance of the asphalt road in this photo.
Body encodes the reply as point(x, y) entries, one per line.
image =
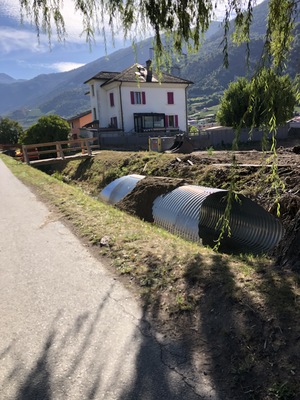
point(69, 329)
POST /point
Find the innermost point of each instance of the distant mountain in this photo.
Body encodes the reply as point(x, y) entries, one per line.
point(206, 68)
point(4, 78)
point(64, 93)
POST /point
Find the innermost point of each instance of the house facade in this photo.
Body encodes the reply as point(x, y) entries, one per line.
point(137, 100)
point(79, 121)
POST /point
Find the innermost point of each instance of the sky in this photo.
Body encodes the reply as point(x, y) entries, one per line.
point(22, 56)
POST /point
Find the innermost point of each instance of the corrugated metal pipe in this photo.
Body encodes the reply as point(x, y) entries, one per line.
point(119, 188)
point(194, 212)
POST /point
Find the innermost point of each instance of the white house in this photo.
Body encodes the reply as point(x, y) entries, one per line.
point(137, 100)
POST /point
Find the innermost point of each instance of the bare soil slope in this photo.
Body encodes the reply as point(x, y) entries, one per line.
point(254, 178)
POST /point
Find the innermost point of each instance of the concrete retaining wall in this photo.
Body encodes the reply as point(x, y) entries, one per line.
point(213, 137)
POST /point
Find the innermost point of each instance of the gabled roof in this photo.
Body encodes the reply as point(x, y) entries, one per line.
point(83, 114)
point(103, 75)
point(137, 73)
point(295, 119)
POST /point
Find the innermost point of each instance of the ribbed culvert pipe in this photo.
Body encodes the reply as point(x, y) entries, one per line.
point(119, 188)
point(253, 229)
point(194, 212)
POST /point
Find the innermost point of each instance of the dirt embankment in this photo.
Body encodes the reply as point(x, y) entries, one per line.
point(254, 177)
point(140, 201)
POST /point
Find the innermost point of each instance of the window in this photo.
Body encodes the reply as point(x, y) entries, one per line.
point(153, 121)
point(111, 99)
point(149, 122)
point(170, 97)
point(171, 121)
point(158, 121)
point(114, 122)
point(93, 90)
point(94, 113)
point(138, 97)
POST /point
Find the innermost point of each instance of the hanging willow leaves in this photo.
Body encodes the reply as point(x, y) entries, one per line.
point(265, 102)
point(185, 21)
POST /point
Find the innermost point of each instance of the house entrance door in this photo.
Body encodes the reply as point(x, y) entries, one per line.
point(138, 123)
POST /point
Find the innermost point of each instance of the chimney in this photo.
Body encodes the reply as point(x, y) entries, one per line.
point(149, 70)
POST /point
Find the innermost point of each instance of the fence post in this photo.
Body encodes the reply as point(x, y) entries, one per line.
point(82, 144)
point(25, 154)
point(159, 148)
point(88, 147)
point(59, 151)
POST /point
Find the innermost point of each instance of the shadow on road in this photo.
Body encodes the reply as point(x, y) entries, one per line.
point(94, 357)
point(70, 355)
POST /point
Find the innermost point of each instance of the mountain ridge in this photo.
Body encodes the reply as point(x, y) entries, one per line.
point(64, 93)
point(7, 79)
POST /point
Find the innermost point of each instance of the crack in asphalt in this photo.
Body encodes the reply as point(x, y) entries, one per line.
point(147, 331)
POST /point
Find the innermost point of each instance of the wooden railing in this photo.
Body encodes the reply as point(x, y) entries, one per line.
point(62, 149)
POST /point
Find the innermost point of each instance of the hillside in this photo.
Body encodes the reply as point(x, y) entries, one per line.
point(4, 78)
point(54, 93)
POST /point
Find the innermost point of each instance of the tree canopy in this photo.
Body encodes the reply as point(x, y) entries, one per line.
point(184, 22)
point(49, 128)
point(10, 131)
point(264, 100)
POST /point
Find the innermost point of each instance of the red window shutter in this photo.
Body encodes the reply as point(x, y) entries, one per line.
point(143, 98)
point(112, 102)
point(166, 121)
point(170, 97)
point(132, 97)
point(176, 121)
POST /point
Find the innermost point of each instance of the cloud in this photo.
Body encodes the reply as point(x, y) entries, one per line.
point(62, 66)
point(72, 18)
point(65, 66)
point(73, 22)
point(16, 40)
point(10, 8)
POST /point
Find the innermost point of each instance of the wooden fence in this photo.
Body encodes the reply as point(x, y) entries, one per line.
point(31, 153)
